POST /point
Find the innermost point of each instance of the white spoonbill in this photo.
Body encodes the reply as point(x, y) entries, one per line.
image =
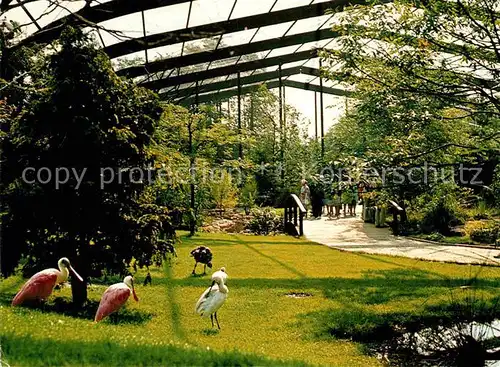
point(115, 297)
point(41, 285)
point(220, 273)
point(213, 297)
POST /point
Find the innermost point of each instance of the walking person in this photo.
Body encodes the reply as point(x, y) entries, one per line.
point(317, 197)
point(347, 198)
point(337, 202)
point(355, 199)
point(305, 195)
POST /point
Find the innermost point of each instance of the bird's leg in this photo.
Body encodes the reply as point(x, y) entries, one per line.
point(212, 318)
point(205, 269)
point(217, 321)
point(194, 270)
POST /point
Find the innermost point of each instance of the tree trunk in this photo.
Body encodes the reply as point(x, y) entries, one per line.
point(79, 290)
point(81, 265)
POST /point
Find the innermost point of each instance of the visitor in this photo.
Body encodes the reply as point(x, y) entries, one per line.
point(305, 195)
point(317, 196)
point(337, 202)
point(328, 203)
point(347, 197)
point(354, 201)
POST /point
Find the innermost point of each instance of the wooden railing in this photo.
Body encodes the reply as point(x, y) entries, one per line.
point(294, 216)
point(377, 215)
point(397, 211)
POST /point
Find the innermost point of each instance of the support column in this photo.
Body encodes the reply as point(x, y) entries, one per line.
point(144, 34)
point(192, 165)
point(316, 115)
point(240, 145)
point(282, 153)
point(283, 135)
point(322, 112)
point(251, 113)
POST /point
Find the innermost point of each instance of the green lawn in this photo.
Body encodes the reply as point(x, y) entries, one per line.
point(260, 324)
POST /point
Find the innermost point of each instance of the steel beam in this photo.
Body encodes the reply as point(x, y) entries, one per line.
point(228, 70)
point(223, 95)
point(95, 14)
point(223, 27)
point(227, 52)
point(226, 84)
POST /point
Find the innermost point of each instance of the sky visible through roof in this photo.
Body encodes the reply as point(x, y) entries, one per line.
point(174, 17)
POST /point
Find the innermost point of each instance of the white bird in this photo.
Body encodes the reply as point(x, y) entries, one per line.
point(220, 273)
point(213, 297)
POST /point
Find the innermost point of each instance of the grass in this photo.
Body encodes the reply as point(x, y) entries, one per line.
point(260, 324)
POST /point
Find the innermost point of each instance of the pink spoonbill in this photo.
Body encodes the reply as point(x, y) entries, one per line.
point(115, 297)
point(40, 285)
point(213, 297)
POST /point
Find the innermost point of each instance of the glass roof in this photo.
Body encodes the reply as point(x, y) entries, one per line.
point(247, 20)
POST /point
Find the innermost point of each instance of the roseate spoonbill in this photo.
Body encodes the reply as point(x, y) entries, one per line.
point(213, 297)
point(202, 255)
point(115, 297)
point(41, 285)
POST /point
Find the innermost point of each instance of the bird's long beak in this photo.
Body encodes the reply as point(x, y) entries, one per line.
point(213, 282)
point(76, 274)
point(133, 292)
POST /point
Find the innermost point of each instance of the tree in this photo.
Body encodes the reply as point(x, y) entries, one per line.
point(223, 191)
point(447, 50)
point(279, 153)
point(426, 80)
point(248, 194)
point(92, 131)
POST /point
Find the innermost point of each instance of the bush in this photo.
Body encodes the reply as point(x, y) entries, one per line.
point(266, 221)
point(434, 237)
point(248, 194)
point(441, 213)
point(483, 231)
point(478, 212)
point(495, 186)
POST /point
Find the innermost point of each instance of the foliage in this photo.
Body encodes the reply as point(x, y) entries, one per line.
point(480, 211)
point(422, 101)
point(265, 221)
point(435, 236)
point(223, 191)
point(496, 187)
point(85, 119)
point(281, 154)
point(248, 194)
point(442, 212)
point(483, 231)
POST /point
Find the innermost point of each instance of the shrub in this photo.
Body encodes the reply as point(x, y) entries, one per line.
point(224, 192)
point(442, 212)
point(495, 186)
point(434, 237)
point(248, 194)
point(266, 221)
point(478, 212)
point(483, 231)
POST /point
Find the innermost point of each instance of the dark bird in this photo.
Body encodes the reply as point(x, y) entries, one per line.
point(202, 255)
point(147, 280)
